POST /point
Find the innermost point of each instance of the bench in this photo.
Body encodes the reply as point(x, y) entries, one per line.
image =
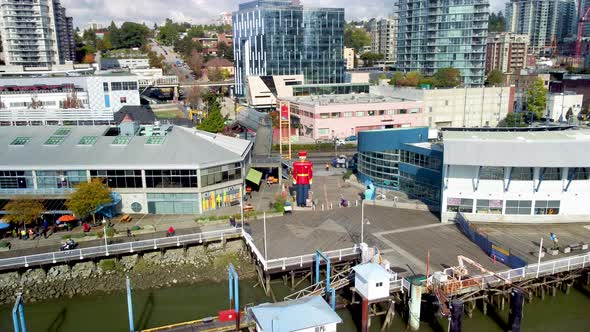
point(125, 218)
point(248, 207)
point(575, 246)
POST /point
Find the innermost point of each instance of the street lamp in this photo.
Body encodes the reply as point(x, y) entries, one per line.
point(363, 221)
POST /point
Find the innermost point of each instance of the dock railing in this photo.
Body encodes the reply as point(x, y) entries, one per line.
point(113, 249)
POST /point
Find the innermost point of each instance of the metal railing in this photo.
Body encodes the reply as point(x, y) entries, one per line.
point(114, 249)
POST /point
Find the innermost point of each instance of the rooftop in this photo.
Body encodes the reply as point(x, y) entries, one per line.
point(371, 271)
point(427, 145)
point(323, 100)
point(99, 147)
point(536, 136)
point(295, 315)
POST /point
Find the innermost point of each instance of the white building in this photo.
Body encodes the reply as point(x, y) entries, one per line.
point(457, 107)
point(541, 176)
point(371, 280)
point(107, 91)
point(35, 33)
point(308, 314)
point(118, 63)
point(384, 37)
point(560, 104)
point(349, 57)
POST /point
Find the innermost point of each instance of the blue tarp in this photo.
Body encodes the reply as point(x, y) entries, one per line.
point(109, 210)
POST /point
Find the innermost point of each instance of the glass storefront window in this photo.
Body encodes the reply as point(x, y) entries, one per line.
point(175, 178)
point(16, 180)
point(522, 174)
point(489, 206)
point(491, 173)
point(220, 174)
point(460, 205)
point(119, 178)
point(519, 207)
point(547, 207)
point(60, 179)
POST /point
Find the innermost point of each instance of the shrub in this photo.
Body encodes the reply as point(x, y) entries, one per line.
point(107, 265)
point(347, 175)
point(279, 204)
point(4, 244)
point(111, 232)
point(135, 228)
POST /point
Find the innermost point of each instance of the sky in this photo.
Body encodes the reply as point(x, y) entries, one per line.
point(205, 11)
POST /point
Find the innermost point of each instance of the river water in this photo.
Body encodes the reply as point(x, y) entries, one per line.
point(183, 303)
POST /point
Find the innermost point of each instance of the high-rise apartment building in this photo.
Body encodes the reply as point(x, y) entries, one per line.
point(582, 6)
point(536, 18)
point(349, 57)
point(435, 34)
point(567, 21)
point(383, 37)
point(278, 37)
point(35, 33)
point(506, 52)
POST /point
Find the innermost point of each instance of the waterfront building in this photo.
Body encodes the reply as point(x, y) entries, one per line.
point(540, 176)
point(506, 52)
point(536, 18)
point(371, 280)
point(104, 91)
point(456, 107)
point(286, 38)
point(349, 57)
point(305, 314)
point(436, 34)
point(383, 37)
point(36, 33)
point(331, 116)
point(157, 169)
point(402, 160)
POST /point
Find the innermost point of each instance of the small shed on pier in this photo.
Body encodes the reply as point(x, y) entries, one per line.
point(308, 314)
point(372, 280)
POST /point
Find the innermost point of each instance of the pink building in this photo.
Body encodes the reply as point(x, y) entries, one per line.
point(329, 116)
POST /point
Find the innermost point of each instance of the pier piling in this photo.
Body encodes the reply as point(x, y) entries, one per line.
point(414, 305)
point(516, 306)
point(456, 315)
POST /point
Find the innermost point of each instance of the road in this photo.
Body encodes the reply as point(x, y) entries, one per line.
point(183, 72)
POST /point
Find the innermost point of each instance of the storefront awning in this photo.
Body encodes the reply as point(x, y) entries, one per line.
point(254, 176)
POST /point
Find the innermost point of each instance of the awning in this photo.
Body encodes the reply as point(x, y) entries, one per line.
point(254, 176)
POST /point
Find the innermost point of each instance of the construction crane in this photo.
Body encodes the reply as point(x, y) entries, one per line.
point(583, 19)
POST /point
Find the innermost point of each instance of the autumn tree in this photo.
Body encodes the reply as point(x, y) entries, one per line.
point(195, 62)
point(193, 96)
point(23, 211)
point(447, 77)
point(88, 197)
point(412, 78)
point(495, 78)
point(396, 78)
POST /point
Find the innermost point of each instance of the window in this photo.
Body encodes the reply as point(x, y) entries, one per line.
point(171, 178)
point(123, 86)
point(54, 140)
point(491, 173)
point(382, 112)
point(215, 175)
point(521, 174)
point(402, 111)
point(324, 115)
point(519, 207)
point(155, 140)
point(348, 114)
point(360, 113)
point(430, 109)
point(123, 100)
point(122, 140)
point(379, 284)
point(580, 173)
point(335, 115)
point(21, 140)
point(489, 206)
point(62, 132)
point(88, 140)
point(16, 179)
point(119, 178)
point(323, 131)
point(547, 207)
point(60, 179)
point(460, 205)
point(371, 113)
point(551, 174)
point(105, 86)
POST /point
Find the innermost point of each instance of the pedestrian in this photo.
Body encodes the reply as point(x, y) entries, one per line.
point(327, 167)
point(44, 232)
point(128, 232)
point(23, 233)
point(170, 232)
point(31, 234)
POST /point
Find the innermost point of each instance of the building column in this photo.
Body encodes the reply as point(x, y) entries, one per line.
point(143, 181)
point(34, 175)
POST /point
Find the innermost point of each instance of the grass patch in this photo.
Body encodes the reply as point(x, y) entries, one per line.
point(108, 265)
point(169, 114)
point(4, 244)
point(347, 175)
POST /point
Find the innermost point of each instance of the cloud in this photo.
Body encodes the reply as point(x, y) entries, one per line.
point(206, 11)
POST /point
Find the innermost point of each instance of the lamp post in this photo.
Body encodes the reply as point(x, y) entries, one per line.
point(363, 221)
point(106, 246)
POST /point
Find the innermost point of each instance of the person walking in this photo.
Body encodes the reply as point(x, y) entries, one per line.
point(327, 167)
point(129, 233)
point(23, 233)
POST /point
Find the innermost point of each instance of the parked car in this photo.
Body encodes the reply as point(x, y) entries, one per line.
point(340, 162)
point(350, 139)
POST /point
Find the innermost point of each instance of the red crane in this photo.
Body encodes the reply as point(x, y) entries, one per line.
point(583, 19)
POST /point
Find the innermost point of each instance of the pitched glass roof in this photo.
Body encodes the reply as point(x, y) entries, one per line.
point(62, 132)
point(122, 140)
point(21, 140)
point(88, 140)
point(156, 140)
point(55, 140)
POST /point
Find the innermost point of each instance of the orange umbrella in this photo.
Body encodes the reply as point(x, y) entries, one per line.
point(66, 218)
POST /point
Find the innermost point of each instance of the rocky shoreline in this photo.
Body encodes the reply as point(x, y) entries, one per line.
point(151, 270)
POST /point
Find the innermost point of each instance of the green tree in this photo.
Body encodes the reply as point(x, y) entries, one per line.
point(413, 78)
point(196, 32)
point(396, 78)
point(88, 197)
point(214, 122)
point(23, 211)
point(356, 38)
point(186, 46)
point(168, 34)
point(133, 35)
point(370, 58)
point(226, 51)
point(536, 98)
point(495, 78)
point(513, 119)
point(496, 22)
point(114, 35)
point(89, 38)
point(447, 77)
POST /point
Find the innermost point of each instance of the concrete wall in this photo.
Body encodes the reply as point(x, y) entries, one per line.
point(559, 104)
point(461, 182)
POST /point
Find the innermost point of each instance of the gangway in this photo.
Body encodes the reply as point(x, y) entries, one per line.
point(337, 281)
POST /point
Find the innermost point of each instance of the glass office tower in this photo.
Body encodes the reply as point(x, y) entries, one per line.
point(434, 34)
point(285, 38)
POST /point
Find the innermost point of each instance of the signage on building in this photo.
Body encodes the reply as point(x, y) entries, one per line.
point(285, 109)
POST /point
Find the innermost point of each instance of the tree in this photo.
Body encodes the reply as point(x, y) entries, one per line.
point(155, 60)
point(226, 52)
point(447, 77)
point(214, 122)
point(132, 35)
point(88, 197)
point(196, 63)
point(168, 34)
point(23, 211)
point(356, 38)
point(371, 58)
point(88, 58)
point(412, 79)
point(513, 119)
point(396, 78)
point(194, 96)
point(114, 36)
point(186, 46)
point(496, 22)
point(495, 78)
point(214, 74)
point(536, 98)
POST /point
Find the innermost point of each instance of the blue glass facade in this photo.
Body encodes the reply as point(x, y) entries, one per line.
point(435, 34)
point(282, 38)
point(394, 159)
